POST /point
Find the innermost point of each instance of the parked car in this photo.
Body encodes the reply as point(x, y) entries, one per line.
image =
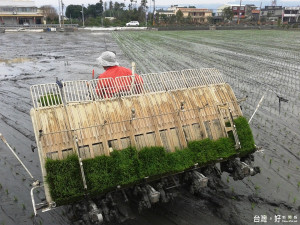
point(25, 24)
point(132, 24)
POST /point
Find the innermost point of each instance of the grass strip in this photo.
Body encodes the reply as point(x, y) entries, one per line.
point(129, 166)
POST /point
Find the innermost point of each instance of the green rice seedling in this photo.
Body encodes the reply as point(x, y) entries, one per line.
point(256, 189)
point(50, 99)
point(252, 205)
point(63, 177)
point(129, 166)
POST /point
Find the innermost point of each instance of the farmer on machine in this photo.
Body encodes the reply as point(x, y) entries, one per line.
point(111, 87)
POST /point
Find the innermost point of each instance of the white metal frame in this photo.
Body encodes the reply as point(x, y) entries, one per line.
point(123, 86)
point(39, 92)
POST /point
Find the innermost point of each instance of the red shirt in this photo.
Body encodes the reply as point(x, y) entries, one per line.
point(107, 88)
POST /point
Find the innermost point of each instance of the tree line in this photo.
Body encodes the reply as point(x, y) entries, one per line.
point(118, 14)
point(98, 14)
point(114, 14)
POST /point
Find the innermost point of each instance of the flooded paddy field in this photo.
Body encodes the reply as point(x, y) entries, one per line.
point(254, 63)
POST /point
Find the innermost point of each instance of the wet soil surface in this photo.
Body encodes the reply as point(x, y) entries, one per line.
point(258, 62)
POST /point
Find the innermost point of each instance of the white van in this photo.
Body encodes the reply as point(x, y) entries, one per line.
point(132, 24)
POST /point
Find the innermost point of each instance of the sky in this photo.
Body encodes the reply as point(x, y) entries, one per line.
point(170, 2)
point(157, 2)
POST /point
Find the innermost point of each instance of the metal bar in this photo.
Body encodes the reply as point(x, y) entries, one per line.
point(80, 164)
point(262, 98)
point(10, 148)
point(33, 201)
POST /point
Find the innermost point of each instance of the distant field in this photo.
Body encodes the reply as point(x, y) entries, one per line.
point(254, 63)
point(251, 61)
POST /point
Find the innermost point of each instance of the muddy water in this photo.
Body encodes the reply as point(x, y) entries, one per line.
point(28, 59)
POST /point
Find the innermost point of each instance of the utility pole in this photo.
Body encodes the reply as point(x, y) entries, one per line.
point(59, 14)
point(259, 13)
point(239, 12)
point(153, 12)
point(150, 12)
point(62, 14)
point(82, 16)
point(146, 12)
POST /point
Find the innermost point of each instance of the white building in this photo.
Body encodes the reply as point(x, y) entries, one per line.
point(19, 12)
point(291, 14)
point(220, 10)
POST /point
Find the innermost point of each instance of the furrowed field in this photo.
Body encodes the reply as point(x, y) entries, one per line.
point(255, 63)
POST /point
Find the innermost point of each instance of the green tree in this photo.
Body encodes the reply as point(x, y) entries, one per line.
point(189, 20)
point(210, 20)
point(130, 6)
point(111, 5)
point(172, 19)
point(49, 12)
point(99, 7)
point(279, 22)
point(163, 18)
point(74, 11)
point(144, 4)
point(227, 13)
point(91, 11)
point(117, 9)
point(179, 16)
point(142, 11)
point(106, 22)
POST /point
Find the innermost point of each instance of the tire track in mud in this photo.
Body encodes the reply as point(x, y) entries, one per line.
point(26, 133)
point(6, 214)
